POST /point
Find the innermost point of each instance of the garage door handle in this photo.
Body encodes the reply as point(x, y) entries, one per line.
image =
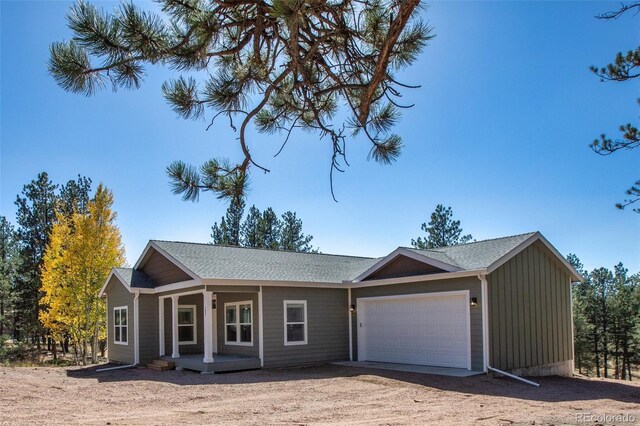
point(360, 324)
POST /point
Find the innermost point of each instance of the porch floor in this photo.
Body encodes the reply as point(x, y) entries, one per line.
point(423, 369)
point(221, 363)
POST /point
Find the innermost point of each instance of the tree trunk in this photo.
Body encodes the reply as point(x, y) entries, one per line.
point(2, 317)
point(617, 359)
point(54, 349)
point(596, 354)
point(94, 347)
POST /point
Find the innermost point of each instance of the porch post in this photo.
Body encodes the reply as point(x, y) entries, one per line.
point(207, 297)
point(174, 326)
point(161, 325)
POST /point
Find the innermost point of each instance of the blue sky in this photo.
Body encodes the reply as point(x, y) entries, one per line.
point(500, 132)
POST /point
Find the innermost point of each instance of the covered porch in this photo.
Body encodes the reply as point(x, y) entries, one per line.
point(220, 364)
point(211, 328)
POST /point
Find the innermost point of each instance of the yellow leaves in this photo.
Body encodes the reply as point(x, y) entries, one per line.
point(82, 250)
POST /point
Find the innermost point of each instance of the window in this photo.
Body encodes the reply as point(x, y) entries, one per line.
point(120, 327)
point(187, 325)
point(295, 322)
point(238, 323)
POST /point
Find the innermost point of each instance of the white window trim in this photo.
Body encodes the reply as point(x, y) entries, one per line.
point(195, 325)
point(306, 334)
point(238, 323)
point(120, 342)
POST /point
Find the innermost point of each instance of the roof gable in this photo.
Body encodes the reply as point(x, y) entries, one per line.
point(161, 267)
point(436, 262)
point(403, 266)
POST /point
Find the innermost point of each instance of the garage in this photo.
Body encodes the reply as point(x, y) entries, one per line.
point(423, 329)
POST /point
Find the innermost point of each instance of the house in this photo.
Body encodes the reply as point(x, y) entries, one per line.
point(504, 303)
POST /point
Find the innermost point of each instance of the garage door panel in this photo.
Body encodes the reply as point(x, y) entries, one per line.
point(423, 329)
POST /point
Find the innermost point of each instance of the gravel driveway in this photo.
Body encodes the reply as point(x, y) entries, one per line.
point(321, 394)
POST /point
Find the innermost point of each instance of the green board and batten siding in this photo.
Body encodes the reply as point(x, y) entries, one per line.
point(530, 312)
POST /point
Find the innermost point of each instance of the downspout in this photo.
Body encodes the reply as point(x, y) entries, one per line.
point(136, 331)
point(484, 294)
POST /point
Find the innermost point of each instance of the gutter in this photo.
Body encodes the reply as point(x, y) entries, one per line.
point(513, 376)
point(119, 367)
point(484, 294)
point(136, 328)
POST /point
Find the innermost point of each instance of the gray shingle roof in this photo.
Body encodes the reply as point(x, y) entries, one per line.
point(236, 263)
point(134, 278)
point(225, 262)
point(476, 255)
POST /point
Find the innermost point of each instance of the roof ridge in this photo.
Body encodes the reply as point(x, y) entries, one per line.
point(474, 242)
point(263, 249)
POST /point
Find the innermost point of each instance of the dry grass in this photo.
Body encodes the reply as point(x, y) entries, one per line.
point(323, 394)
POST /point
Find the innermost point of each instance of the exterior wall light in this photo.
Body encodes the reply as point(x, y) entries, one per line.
point(352, 308)
point(474, 301)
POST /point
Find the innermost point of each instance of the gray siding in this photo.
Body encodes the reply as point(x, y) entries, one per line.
point(327, 326)
point(223, 348)
point(472, 284)
point(530, 318)
point(198, 347)
point(118, 295)
point(162, 270)
point(148, 318)
point(403, 266)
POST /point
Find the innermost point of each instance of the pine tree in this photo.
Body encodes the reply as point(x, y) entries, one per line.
point(442, 231)
point(82, 251)
point(624, 68)
point(9, 263)
point(35, 217)
point(228, 232)
point(269, 230)
point(291, 236)
point(75, 195)
point(281, 65)
point(250, 233)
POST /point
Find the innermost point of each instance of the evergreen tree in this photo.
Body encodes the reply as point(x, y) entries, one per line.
point(583, 328)
point(291, 236)
point(75, 195)
point(280, 65)
point(624, 68)
point(250, 229)
point(441, 231)
point(269, 230)
point(228, 232)
point(35, 217)
point(9, 262)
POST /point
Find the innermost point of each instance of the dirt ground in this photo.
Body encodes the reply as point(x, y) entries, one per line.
point(322, 394)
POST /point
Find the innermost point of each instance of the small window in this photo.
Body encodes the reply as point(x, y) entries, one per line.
point(187, 325)
point(120, 325)
point(238, 323)
point(295, 322)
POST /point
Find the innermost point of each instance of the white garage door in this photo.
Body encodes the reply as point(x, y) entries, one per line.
point(425, 329)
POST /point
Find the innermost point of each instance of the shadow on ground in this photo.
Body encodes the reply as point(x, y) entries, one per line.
point(552, 389)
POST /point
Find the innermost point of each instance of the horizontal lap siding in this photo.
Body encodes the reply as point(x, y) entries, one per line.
point(223, 348)
point(471, 284)
point(327, 325)
point(118, 295)
point(198, 347)
point(148, 331)
point(529, 318)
